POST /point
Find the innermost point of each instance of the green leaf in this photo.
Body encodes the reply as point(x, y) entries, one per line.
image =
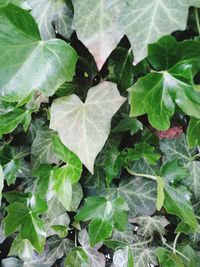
point(168, 259)
point(177, 202)
point(24, 57)
point(122, 73)
point(139, 194)
point(10, 120)
point(148, 226)
point(143, 150)
point(42, 148)
point(128, 124)
point(178, 149)
point(104, 215)
point(25, 218)
point(63, 185)
point(173, 172)
point(44, 173)
point(12, 262)
point(160, 193)
point(92, 118)
point(77, 257)
point(99, 230)
point(158, 93)
point(1, 182)
point(47, 13)
point(120, 214)
point(193, 130)
point(74, 166)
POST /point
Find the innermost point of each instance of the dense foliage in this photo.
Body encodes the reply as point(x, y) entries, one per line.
point(99, 133)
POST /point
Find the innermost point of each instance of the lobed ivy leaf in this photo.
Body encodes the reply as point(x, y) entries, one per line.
point(92, 119)
point(145, 151)
point(24, 57)
point(140, 195)
point(104, 215)
point(101, 27)
point(158, 93)
point(25, 218)
point(48, 13)
point(128, 124)
point(147, 225)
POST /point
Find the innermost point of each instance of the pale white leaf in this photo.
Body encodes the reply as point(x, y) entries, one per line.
point(47, 13)
point(96, 258)
point(147, 225)
point(84, 127)
point(102, 24)
point(140, 195)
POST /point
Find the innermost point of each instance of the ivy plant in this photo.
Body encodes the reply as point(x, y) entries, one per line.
point(100, 133)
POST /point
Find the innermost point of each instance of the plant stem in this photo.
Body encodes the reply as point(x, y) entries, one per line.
point(197, 19)
point(175, 242)
point(152, 177)
point(171, 248)
point(142, 243)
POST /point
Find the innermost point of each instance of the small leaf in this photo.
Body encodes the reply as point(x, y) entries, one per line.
point(77, 257)
point(160, 193)
point(1, 182)
point(177, 202)
point(143, 150)
point(147, 225)
point(128, 124)
point(168, 259)
point(193, 136)
point(123, 257)
point(42, 148)
point(92, 118)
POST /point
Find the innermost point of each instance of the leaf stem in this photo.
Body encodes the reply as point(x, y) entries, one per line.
point(175, 242)
point(171, 248)
point(152, 177)
point(197, 19)
point(142, 243)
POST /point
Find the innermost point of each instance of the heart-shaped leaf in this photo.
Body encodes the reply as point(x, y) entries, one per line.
point(84, 127)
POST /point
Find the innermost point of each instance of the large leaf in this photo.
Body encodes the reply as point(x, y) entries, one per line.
point(84, 127)
point(158, 93)
point(47, 13)
point(101, 27)
point(27, 63)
